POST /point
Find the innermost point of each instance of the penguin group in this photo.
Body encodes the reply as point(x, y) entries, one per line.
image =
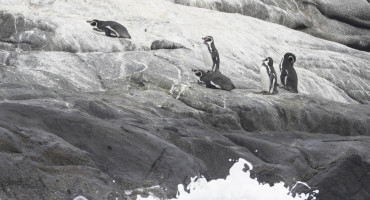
point(214, 78)
point(288, 77)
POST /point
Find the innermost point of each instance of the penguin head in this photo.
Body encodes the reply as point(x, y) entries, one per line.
point(93, 22)
point(208, 39)
point(198, 72)
point(290, 57)
point(268, 61)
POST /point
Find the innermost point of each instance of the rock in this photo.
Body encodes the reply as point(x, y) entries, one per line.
point(340, 22)
point(301, 156)
point(355, 14)
point(18, 32)
point(349, 175)
point(337, 21)
point(125, 136)
point(165, 44)
point(38, 164)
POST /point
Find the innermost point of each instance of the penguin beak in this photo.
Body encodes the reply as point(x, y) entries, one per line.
point(197, 72)
point(89, 22)
point(265, 60)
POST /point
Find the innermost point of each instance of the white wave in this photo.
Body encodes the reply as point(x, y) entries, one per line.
point(236, 186)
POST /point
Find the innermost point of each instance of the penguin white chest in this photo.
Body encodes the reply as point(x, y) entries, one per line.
point(207, 58)
point(265, 79)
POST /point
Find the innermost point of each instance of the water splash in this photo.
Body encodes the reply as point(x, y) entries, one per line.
point(236, 186)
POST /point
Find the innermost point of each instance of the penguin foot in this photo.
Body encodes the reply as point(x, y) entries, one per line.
point(268, 93)
point(99, 30)
point(290, 90)
point(200, 82)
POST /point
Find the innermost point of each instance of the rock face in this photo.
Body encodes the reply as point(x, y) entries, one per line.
point(84, 114)
point(339, 21)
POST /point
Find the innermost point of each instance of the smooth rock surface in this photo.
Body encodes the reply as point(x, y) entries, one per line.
point(345, 22)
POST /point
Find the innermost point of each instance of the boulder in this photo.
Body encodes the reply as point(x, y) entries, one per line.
point(165, 44)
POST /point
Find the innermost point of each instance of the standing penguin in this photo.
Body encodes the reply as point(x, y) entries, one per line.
point(268, 76)
point(111, 28)
point(207, 58)
point(288, 76)
point(210, 44)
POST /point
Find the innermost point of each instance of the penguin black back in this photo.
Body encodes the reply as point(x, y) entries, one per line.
point(288, 75)
point(209, 42)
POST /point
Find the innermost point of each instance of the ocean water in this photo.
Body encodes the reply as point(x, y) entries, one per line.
point(236, 186)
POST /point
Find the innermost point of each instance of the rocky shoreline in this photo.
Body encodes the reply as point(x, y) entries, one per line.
point(84, 114)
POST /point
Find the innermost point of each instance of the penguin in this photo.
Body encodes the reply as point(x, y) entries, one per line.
point(268, 76)
point(214, 80)
point(111, 28)
point(210, 44)
point(288, 76)
point(207, 58)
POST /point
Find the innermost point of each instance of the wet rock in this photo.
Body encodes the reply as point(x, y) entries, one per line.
point(349, 175)
point(300, 155)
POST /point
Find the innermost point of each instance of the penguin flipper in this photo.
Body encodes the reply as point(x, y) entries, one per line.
point(217, 63)
point(282, 78)
point(107, 32)
point(210, 84)
point(215, 85)
point(271, 76)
